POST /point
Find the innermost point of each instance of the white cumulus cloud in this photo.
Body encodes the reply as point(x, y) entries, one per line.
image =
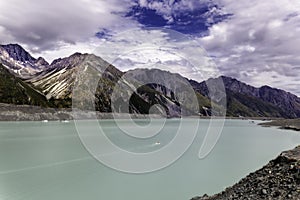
point(260, 43)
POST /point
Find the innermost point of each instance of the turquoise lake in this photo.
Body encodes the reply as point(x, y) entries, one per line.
point(47, 161)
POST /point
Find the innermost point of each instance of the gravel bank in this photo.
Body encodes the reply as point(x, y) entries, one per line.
point(292, 124)
point(10, 112)
point(279, 179)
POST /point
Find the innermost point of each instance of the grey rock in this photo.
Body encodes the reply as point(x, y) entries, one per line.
point(280, 184)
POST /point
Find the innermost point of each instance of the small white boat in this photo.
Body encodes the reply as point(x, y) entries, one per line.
point(157, 143)
point(45, 121)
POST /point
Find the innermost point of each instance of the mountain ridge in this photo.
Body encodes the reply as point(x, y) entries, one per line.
point(16, 59)
point(286, 101)
point(56, 81)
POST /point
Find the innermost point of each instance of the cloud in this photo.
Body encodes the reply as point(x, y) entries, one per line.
point(169, 8)
point(48, 24)
point(157, 48)
point(185, 16)
point(259, 44)
point(255, 41)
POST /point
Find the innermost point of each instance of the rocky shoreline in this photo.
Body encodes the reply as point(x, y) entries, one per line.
point(32, 113)
point(10, 112)
point(279, 179)
point(289, 124)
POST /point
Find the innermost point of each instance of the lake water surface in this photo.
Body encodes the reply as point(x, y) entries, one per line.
point(48, 161)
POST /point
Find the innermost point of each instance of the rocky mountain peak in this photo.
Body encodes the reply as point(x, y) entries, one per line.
point(16, 59)
point(17, 52)
point(41, 62)
point(238, 86)
point(77, 54)
point(56, 61)
point(74, 58)
point(68, 62)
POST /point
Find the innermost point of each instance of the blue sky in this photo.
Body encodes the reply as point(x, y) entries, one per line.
point(255, 41)
point(194, 19)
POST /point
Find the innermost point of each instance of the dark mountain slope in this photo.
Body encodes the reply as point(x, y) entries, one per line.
point(244, 105)
point(246, 100)
point(14, 91)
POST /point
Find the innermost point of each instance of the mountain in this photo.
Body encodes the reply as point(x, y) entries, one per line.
point(246, 100)
point(288, 102)
point(14, 91)
point(20, 62)
point(27, 80)
point(58, 80)
point(170, 91)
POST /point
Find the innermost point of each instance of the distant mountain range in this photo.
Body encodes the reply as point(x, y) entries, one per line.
point(31, 81)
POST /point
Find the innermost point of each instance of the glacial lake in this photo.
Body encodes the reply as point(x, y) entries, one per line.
point(47, 161)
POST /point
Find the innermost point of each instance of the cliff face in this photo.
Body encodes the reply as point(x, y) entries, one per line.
point(279, 179)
